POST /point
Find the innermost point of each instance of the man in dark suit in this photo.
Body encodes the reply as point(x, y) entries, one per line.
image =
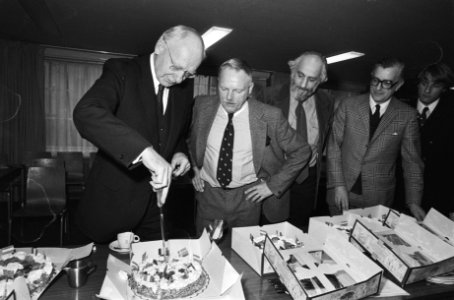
point(137, 114)
point(369, 131)
point(436, 119)
point(244, 153)
point(309, 111)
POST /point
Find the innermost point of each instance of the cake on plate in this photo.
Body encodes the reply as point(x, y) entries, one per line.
point(182, 276)
point(36, 268)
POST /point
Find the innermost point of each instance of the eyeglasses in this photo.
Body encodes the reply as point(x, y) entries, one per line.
point(175, 68)
point(386, 84)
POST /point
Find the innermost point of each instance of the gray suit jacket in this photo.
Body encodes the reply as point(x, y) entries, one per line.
point(350, 152)
point(324, 107)
point(278, 152)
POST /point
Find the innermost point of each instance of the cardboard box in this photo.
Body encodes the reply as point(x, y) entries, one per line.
point(382, 214)
point(440, 225)
point(320, 227)
point(408, 251)
point(223, 279)
point(243, 243)
point(336, 271)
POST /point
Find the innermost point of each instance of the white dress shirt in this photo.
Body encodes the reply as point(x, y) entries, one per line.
point(420, 106)
point(243, 171)
point(383, 105)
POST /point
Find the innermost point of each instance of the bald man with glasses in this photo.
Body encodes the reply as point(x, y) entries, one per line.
point(137, 114)
point(369, 132)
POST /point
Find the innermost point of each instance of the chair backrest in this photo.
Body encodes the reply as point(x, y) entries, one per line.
point(30, 155)
point(46, 189)
point(74, 161)
point(47, 162)
point(91, 159)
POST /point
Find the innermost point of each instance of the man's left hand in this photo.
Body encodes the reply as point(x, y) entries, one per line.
point(180, 164)
point(417, 211)
point(258, 192)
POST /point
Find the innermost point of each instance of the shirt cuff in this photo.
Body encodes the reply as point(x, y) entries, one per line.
point(138, 158)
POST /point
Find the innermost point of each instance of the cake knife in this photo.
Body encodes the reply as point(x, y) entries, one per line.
point(161, 196)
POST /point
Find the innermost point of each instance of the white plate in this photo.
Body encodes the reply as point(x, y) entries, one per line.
point(115, 247)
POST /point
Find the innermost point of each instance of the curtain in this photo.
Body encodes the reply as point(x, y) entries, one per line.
point(65, 84)
point(21, 100)
point(205, 85)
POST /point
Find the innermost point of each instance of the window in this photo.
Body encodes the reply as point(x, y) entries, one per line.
point(68, 75)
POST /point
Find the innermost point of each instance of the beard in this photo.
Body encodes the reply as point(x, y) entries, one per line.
point(302, 94)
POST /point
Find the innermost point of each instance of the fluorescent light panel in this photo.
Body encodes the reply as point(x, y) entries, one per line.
point(214, 34)
point(343, 56)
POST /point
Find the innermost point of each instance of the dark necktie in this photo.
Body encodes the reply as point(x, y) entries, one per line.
point(159, 98)
point(374, 120)
point(422, 117)
point(224, 171)
point(301, 126)
point(357, 187)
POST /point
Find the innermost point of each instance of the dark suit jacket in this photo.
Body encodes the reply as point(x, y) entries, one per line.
point(350, 152)
point(278, 152)
point(324, 107)
point(118, 115)
point(437, 144)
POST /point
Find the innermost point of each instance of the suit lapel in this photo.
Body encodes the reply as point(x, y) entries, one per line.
point(206, 118)
point(364, 111)
point(284, 99)
point(148, 98)
point(386, 119)
point(322, 111)
point(258, 133)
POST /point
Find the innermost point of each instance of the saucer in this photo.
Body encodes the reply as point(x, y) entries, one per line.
point(115, 247)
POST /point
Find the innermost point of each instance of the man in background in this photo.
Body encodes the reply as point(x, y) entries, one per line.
point(369, 131)
point(309, 111)
point(137, 114)
point(436, 120)
point(244, 153)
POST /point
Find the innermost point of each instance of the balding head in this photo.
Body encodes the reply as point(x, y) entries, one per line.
point(178, 53)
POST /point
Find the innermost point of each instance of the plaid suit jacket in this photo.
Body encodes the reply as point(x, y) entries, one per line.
point(350, 152)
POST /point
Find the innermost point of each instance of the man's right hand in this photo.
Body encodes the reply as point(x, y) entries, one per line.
point(341, 198)
point(197, 181)
point(160, 169)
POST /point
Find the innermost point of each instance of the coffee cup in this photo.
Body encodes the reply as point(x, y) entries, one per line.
point(126, 238)
point(77, 272)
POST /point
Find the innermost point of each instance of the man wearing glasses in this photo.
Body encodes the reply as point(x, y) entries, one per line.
point(137, 114)
point(369, 132)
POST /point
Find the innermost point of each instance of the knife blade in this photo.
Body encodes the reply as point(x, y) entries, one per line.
point(161, 196)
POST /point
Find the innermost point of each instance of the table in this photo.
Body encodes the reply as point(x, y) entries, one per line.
point(12, 179)
point(254, 287)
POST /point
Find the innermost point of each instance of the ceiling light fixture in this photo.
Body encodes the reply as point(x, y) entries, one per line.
point(214, 34)
point(343, 56)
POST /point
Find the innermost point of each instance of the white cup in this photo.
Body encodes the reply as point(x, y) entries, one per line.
point(126, 238)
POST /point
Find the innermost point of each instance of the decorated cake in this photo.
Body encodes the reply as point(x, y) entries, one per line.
point(182, 276)
point(36, 268)
point(279, 240)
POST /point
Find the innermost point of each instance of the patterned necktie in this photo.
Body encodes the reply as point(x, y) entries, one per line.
point(224, 171)
point(301, 126)
point(159, 98)
point(422, 117)
point(374, 120)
